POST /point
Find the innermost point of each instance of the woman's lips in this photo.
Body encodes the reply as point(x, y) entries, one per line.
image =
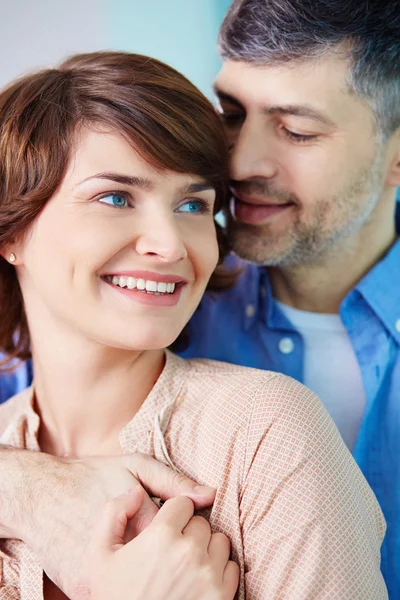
point(149, 299)
point(255, 214)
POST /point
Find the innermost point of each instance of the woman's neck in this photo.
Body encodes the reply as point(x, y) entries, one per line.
point(85, 394)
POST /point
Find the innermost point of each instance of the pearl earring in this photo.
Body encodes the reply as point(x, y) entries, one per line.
point(12, 258)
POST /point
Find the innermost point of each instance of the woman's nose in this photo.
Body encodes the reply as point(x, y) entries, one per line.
point(162, 239)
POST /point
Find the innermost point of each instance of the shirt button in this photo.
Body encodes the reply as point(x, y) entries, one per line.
point(397, 325)
point(286, 345)
point(250, 311)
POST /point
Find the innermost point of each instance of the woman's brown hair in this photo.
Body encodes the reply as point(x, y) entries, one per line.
point(165, 118)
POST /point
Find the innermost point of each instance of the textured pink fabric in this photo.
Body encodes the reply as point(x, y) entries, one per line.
point(301, 518)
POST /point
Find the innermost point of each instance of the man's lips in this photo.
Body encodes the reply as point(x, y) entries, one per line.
point(253, 210)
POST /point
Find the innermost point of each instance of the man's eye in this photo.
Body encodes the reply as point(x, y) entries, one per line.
point(297, 137)
point(194, 206)
point(232, 118)
point(114, 199)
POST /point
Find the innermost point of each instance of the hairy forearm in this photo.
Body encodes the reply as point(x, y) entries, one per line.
point(23, 482)
point(11, 493)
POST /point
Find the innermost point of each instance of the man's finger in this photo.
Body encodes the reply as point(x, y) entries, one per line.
point(109, 532)
point(176, 513)
point(159, 480)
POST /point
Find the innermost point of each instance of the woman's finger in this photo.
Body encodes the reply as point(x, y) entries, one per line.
point(142, 518)
point(175, 513)
point(219, 550)
point(230, 580)
point(109, 532)
point(199, 530)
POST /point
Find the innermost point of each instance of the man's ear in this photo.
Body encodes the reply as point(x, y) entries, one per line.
point(393, 175)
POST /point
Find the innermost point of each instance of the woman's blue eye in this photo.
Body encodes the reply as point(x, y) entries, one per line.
point(114, 200)
point(194, 206)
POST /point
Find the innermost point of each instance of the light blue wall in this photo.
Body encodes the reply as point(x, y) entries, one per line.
point(182, 33)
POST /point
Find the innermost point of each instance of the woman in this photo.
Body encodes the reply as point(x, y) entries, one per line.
point(112, 168)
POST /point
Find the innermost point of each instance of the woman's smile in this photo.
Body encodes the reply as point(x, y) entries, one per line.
point(145, 287)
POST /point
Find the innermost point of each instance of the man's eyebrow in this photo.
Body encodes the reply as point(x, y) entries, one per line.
point(147, 184)
point(224, 97)
point(298, 110)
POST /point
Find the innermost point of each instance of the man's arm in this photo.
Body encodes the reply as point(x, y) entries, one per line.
point(45, 499)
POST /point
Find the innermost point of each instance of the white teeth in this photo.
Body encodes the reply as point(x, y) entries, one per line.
point(151, 286)
point(154, 287)
point(131, 283)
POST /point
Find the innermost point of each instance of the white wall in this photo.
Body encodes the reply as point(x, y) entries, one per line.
point(37, 33)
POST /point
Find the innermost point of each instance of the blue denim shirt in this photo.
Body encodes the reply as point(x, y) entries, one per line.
point(15, 381)
point(245, 326)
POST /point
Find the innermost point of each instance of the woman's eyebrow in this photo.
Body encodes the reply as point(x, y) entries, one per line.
point(140, 182)
point(200, 186)
point(147, 184)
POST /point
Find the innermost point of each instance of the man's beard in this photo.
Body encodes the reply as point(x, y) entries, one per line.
point(309, 240)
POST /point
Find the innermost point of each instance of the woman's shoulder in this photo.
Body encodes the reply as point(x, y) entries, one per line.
point(262, 396)
point(268, 385)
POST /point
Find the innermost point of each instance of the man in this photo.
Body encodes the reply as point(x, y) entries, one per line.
point(310, 95)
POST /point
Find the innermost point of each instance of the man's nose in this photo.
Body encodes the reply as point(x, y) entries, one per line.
point(252, 153)
point(162, 239)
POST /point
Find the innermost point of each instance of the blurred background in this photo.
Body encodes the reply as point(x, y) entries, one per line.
point(40, 33)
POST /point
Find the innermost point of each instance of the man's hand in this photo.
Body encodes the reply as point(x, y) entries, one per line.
point(53, 504)
point(175, 558)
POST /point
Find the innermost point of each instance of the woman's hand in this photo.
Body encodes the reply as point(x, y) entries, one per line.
point(45, 499)
point(175, 558)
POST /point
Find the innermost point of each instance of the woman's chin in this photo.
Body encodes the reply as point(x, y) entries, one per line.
point(155, 341)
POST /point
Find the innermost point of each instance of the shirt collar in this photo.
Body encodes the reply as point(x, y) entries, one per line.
point(380, 287)
point(255, 294)
point(23, 430)
point(159, 404)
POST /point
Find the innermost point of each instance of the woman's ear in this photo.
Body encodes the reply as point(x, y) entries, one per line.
point(10, 255)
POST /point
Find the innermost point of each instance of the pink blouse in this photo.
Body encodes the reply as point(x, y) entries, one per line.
point(302, 520)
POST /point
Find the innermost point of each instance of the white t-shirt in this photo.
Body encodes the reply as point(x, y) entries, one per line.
point(331, 369)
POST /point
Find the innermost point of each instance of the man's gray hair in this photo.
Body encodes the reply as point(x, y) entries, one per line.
point(267, 32)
